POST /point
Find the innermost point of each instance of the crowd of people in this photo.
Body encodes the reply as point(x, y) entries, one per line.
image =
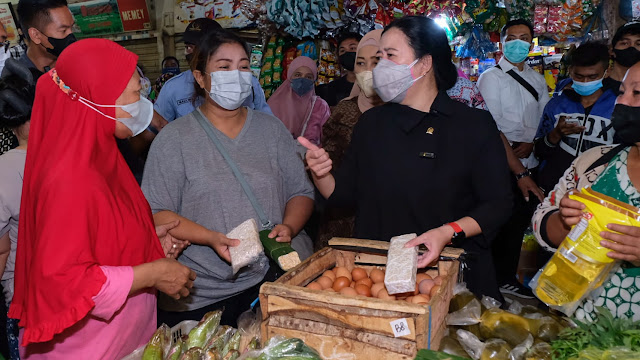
point(114, 207)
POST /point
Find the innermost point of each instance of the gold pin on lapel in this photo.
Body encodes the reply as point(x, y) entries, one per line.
point(430, 131)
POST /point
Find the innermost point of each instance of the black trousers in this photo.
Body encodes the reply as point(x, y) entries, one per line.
point(507, 245)
point(233, 306)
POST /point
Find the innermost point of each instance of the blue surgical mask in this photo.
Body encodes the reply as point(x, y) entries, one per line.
point(301, 86)
point(516, 51)
point(587, 88)
point(171, 70)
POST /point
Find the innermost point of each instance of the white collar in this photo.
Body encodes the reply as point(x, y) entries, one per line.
point(506, 65)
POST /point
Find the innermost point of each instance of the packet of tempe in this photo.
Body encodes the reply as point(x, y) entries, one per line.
point(281, 252)
point(402, 265)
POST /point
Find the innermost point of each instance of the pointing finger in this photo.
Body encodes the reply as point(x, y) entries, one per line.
point(306, 143)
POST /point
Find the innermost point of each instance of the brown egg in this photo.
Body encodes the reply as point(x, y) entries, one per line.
point(422, 276)
point(325, 282)
point(341, 283)
point(420, 299)
point(377, 276)
point(426, 285)
point(343, 272)
point(383, 295)
point(329, 290)
point(330, 274)
point(438, 280)
point(375, 288)
point(434, 290)
point(348, 291)
point(363, 290)
point(365, 281)
point(409, 299)
point(314, 286)
point(358, 274)
point(417, 290)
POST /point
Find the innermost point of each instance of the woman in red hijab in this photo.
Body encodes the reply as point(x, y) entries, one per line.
point(88, 259)
point(296, 104)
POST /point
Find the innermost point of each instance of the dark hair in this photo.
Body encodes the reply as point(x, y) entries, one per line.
point(630, 28)
point(590, 54)
point(16, 99)
point(35, 13)
point(209, 44)
point(347, 36)
point(516, 22)
point(426, 37)
point(169, 58)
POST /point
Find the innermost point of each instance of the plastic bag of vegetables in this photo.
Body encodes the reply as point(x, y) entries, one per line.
point(280, 347)
point(492, 349)
point(159, 344)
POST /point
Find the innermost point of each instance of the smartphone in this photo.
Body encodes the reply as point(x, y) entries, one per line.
point(573, 122)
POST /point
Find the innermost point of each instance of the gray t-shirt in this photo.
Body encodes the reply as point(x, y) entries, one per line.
point(11, 175)
point(186, 174)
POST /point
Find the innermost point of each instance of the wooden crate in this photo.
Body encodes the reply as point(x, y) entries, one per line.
point(346, 327)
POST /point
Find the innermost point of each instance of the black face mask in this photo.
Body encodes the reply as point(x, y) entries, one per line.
point(189, 57)
point(626, 122)
point(348, 60)
point(627, 57)
point(60, 44)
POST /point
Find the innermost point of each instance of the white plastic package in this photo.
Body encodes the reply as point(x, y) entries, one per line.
point(402, 265)
point(250, 246)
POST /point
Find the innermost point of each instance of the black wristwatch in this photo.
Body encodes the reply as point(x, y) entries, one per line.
point(523, 174)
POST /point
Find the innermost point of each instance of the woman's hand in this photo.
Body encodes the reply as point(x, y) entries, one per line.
point(570, 211)
point(625, 243)
point(220, 243)
point(172, 278)
point(171, 246)
point(317, 158)
point(283, 232)
point(435, 240)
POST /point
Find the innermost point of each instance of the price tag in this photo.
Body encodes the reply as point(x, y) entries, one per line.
point(400, 328)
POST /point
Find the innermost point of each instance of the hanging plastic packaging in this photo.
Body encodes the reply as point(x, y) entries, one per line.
point(581, 264)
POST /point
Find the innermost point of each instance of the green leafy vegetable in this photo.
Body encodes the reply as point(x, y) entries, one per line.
point(604, 333)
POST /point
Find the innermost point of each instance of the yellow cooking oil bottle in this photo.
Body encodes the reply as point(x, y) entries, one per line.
point(581, 264)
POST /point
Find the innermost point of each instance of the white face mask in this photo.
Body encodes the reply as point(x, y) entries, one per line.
point(365, 83)
point(141, 113)
point(230, 89)
point(392, 81)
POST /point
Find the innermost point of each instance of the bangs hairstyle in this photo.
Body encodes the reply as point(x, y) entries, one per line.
point(590, 54)
point(35, 13)
point(426, 37)
point(515, 22)
point(16, 100)
point(209, 44)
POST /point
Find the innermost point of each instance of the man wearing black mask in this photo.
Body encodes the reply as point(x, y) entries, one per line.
point(339, 89)
point(625, 51)
point(48, 29)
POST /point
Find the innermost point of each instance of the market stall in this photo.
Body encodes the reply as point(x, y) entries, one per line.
point(336, 305)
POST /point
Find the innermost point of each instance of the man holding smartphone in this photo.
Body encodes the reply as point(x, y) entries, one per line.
point(577, 119)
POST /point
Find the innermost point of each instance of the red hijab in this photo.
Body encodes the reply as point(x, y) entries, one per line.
point(81, 206)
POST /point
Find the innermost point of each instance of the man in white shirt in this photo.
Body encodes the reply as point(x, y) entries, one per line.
point(516, 96)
